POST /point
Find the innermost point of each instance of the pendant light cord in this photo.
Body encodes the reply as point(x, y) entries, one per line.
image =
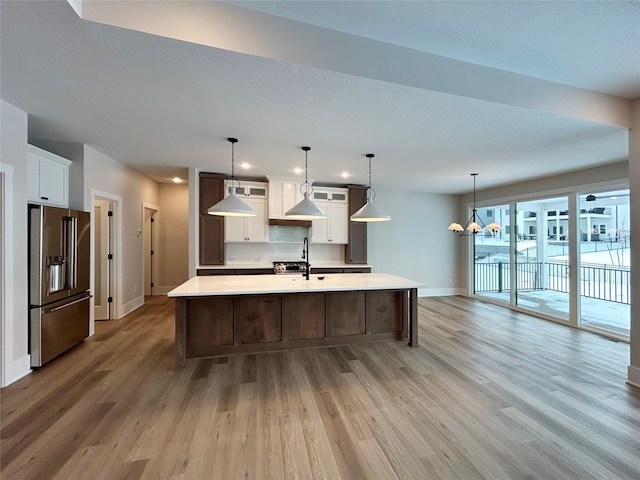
point(233, 171)
point(474, 175)
point(308, 188)
point(371, 193)
point(232, 179)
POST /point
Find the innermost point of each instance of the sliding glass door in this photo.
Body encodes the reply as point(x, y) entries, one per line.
point(566, 258)
point(541, 257)
point(491, 256)
point(604, 255)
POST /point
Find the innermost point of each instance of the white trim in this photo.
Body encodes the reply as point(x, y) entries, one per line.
point(194, 221)
point(129, 307)
point(17, 369)
point(633, 376)
point(10, 369)
point(117, 254)
point(439, 292)
point(156, 210)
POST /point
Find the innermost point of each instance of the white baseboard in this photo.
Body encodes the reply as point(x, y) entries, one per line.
point(129, 307)
point(439, 292)
point(633, 376)
point(17, 369)
point(163, 290)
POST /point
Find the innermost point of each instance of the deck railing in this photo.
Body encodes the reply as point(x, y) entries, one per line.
point(602, 282)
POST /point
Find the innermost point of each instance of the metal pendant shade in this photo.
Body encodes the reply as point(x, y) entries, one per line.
point(370, 212)
point(231, 205)
point(306, 209)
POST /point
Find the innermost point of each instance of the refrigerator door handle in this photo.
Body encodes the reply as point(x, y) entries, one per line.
point(70, 303)
point(71, 250)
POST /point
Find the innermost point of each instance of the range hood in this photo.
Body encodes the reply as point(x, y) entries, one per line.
point(280, 222)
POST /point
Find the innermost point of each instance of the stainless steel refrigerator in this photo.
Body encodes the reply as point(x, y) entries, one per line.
point(59, 255)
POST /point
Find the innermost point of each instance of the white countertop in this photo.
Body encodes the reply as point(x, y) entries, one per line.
point(240, 266)
point(263, 284)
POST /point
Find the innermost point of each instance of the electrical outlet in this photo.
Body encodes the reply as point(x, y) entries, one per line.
point(450, 281)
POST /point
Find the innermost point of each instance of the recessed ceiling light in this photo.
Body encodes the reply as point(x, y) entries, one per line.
point(245, 165)
point(177, 180)
point(297, 170)
point(344, 174)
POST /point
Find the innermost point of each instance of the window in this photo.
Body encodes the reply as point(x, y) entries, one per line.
point(603, 229)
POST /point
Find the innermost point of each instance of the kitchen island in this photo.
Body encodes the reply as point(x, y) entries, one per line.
point(223, 315)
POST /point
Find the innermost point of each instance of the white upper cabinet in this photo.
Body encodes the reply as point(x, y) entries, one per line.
point(250, 229)
point(47, 178)
point(253, 190)
point(284, 194)
point(324, 194)
point(333, 229)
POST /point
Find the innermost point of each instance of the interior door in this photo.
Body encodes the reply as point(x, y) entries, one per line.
point(149, 250)
point(102, 261)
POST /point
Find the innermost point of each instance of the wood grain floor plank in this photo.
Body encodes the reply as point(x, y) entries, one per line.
point(489, 394)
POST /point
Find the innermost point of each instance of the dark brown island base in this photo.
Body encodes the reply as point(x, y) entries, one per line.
point(224, 315)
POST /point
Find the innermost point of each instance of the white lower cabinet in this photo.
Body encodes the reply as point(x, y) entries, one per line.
point(334, 229)
point(249, 229)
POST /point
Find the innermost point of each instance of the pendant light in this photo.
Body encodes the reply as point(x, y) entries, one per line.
point(473, 227)
point(370, 212)
point(306, 209)
point(231, 205)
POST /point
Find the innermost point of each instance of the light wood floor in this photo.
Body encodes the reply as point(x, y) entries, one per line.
point(489, 394)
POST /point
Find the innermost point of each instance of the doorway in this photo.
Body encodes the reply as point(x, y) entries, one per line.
point(150, 214)
point(103, 258)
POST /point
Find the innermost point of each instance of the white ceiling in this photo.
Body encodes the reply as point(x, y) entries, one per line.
point(166, 99)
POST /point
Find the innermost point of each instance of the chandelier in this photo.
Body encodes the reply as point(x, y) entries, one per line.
point(474, 224)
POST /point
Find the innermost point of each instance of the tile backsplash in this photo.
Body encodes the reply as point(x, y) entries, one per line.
point(265, 253)
point(280, 234)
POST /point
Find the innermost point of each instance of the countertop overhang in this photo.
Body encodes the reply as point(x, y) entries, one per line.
point(269, 284)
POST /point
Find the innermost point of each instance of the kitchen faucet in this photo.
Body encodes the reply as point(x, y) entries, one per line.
point(305, 256)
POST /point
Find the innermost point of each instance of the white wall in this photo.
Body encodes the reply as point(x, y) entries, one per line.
point(173, 237)
point(13, 152)
point(104, 174)
point(416, 244)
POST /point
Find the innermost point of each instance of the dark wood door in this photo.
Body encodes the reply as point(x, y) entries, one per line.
point(211, 226)
point(258, 318)
point(303, 316)
point(210, 322)
point(384, 311)
point(356, 249)
point(345, 313)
